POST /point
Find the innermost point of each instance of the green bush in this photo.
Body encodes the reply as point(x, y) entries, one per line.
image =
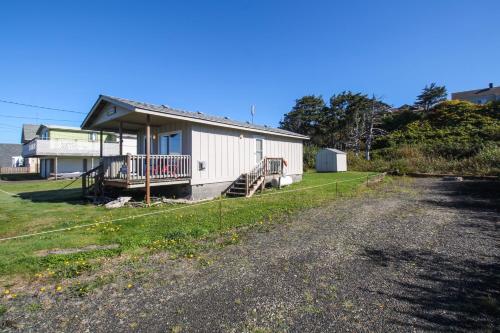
point(310, 152)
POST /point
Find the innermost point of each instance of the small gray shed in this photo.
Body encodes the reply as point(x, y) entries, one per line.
point(331, 160)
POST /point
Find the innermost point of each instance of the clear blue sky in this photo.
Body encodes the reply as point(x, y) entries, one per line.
point(220, 57)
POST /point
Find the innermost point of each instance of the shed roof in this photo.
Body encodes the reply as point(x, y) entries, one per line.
point(214, 120)
point(335, 150)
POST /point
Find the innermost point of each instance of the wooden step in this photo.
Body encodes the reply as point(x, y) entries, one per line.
point(235, 194)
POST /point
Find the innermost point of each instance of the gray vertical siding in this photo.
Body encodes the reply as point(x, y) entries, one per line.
point(172, 126)
point(228, 153)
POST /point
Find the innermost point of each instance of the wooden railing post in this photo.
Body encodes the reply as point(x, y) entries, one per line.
point(246, 185)
point(129, 166)
point(84, 184)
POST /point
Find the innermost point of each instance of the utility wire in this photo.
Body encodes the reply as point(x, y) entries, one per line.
point(36, 118)
point(39, 107)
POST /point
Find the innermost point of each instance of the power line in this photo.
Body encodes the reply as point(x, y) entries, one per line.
point(10, 129)
point(36, 118)
point(11, 126)
point(40, 107)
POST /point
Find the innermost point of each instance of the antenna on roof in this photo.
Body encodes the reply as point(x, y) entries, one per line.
point(252, 112)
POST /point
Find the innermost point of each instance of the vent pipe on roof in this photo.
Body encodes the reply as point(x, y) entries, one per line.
point(490, 85)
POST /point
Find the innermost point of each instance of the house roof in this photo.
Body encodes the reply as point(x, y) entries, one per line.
point(29, 132)
point(69, 128)
point(187, 115)
point(7, 151)
point(470, 94)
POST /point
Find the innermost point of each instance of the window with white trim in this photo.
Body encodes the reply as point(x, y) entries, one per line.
point(259, 149)
point(171, 143)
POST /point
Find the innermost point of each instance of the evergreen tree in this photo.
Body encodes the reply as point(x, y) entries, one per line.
point(305, 118)
point(430, 96)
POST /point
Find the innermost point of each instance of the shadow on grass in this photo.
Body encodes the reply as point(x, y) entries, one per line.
point(71, 196)
point(20, 176)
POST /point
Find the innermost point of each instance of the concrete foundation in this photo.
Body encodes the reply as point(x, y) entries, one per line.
point(213, 190)
point(208, 191)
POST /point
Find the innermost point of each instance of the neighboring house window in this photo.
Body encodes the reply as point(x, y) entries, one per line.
point(45, 135)
point(259, 149)
point(171, 143)
point(93, 136)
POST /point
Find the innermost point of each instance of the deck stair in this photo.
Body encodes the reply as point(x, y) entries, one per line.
point(93, 182)
point(248, 183)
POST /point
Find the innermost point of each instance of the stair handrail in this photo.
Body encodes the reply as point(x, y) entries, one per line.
point(258, 171)
point(91, 177)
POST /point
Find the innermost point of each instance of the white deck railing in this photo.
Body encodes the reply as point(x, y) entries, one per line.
point(133, 167)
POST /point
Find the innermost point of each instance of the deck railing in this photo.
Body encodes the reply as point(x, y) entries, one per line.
point(133, 167)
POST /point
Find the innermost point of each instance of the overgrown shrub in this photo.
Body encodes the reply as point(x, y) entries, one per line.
point(310, 152)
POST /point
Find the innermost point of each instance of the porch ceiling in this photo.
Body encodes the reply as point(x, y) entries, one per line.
point(132, 123)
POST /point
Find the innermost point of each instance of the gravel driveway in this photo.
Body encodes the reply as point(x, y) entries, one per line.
point(420, 256)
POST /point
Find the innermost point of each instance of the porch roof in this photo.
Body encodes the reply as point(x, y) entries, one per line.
point(136, 112)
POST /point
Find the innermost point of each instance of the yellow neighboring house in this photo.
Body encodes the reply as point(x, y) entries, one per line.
point(66, 151)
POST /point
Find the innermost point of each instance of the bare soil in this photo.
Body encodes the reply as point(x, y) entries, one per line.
point(423, 255)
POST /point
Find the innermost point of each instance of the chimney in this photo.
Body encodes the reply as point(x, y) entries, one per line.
point(490, 85)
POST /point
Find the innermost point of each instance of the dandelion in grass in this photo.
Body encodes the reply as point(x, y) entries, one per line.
point(58, 288)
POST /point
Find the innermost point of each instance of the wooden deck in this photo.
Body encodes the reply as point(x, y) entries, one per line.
point(142, 184)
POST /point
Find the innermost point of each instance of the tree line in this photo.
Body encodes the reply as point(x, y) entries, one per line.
point(352, 121)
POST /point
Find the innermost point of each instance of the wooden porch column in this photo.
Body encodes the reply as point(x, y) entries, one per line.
point(148, 159)
point(55, 167)
point(121, 138)
point(101, 146)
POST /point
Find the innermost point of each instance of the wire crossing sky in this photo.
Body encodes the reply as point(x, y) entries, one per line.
point(222, 57)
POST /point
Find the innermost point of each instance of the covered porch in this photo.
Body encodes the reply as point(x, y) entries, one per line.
point(163, 151)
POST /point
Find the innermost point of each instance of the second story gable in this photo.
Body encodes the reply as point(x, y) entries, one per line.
point(56, 132)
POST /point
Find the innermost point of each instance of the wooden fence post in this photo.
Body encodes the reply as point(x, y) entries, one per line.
point(220, 211)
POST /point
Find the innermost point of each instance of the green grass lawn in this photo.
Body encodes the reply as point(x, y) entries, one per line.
point(42, 205)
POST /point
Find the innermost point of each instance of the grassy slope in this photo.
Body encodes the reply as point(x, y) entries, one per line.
point(43, 206)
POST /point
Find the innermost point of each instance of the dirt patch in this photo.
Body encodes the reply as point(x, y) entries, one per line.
point(88, 248)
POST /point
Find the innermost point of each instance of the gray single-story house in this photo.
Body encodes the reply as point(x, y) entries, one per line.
point(199, 154)
point(8, 154)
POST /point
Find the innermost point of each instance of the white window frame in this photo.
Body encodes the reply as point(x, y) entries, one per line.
point(168, 134)
point(263, 147)
point(45, 134)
